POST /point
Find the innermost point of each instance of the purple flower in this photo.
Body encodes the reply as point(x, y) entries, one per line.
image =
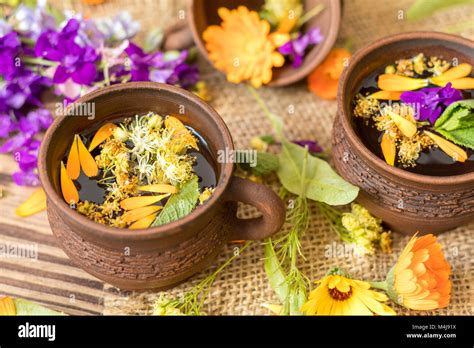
point(313, 146)
point(75, 61)
point(23, 89)
point(36, 121)
point(9, 50)
point(169, 67)
point(119, 28)
point(7, 125)
point(5, 28)
point(26, 178)
point(184, 75)
point(32, 22)
point(429, 103)
point(140, 62)
point(296, 48)
point(15, 143)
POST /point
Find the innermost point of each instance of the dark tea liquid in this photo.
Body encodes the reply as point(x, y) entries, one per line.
point(90, 189)
point(431, 161)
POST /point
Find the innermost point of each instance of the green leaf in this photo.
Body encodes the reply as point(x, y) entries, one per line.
point(266, 163)
point(24, 307)
point(321, 183)
point(275, 273)
point(424, 8)
point(291, 299)
point(180, 204)
point(297, 299)
point(457, 123)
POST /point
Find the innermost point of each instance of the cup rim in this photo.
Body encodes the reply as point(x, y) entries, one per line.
point(301, 72)
point(369, 156)
point(101, 231)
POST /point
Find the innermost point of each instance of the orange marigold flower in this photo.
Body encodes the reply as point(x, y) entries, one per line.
point(323, 81)
point(420, 278)
point(242, 46)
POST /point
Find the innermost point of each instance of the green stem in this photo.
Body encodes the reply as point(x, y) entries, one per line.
point(27, 41)
point(274, 120)
point(38, 61)
point(310, 14)
point(379, 285)
point(106, 75)
point(203, 287)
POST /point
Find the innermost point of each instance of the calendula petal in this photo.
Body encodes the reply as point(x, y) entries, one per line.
point(287, 24)
point(448, 147)
point(73, 165)
point(457, 72)
point(464, 83)
point(405, 126)
point(142, 201)
point(386, 95)
point(68, 189)
point(143, 223)
point(87, 161)
point(7, 306)
point(158, 188)
point(101, 135)
point(389, 148)
point(279, 38)
point(139, 213)
point(34, 204)
point(396, 83)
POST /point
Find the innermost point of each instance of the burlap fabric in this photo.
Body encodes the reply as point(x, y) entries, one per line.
point(243, 286)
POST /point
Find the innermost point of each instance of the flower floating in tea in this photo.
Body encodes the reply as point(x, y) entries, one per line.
point(422, 107)
point(144, 165)
point(248, 45)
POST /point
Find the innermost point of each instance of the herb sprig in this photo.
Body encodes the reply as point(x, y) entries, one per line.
point(307, 177)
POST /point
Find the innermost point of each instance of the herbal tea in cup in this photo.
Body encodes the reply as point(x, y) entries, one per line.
point(138, 172)
point(418, 114)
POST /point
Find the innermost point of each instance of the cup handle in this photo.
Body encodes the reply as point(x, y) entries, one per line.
point(262, 198)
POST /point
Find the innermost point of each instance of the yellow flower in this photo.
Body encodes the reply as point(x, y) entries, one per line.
point(340, 295)
point(7, 306)
point(242, 46)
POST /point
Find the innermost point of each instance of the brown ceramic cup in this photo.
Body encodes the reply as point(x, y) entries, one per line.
point(203, 13)
point(406, 201)
point(157, 257)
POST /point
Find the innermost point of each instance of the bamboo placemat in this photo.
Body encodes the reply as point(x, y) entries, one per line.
point(241, 289)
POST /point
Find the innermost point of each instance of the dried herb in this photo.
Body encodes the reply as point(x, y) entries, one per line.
point(281, 260)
